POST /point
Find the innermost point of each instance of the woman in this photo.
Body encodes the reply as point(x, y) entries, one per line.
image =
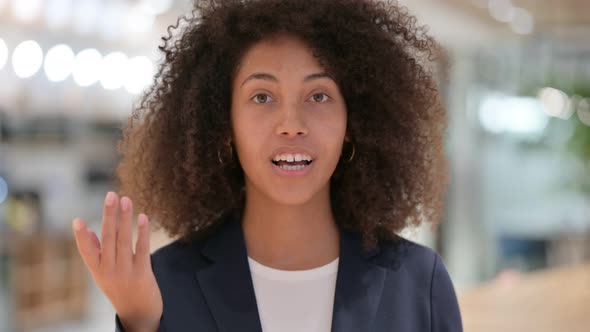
point(284, 144)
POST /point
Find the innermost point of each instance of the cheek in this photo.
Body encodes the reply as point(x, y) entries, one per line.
point(332, 131)
point(249, 140)
point(336, 131)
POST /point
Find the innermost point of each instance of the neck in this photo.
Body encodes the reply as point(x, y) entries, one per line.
point(291, 237)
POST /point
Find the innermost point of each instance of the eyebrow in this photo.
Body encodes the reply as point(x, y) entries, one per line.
point(269, 77)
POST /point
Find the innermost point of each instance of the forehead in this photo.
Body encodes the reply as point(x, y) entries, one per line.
point(279, 54)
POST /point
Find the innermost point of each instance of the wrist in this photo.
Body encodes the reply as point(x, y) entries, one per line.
point(139, 325)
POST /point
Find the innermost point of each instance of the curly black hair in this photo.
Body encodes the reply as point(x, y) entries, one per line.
point(381, 61)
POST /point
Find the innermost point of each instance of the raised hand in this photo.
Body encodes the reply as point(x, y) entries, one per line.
point(124, 276)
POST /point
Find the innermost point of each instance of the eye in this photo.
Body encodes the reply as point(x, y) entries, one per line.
point(261, 100)
point(320, 95)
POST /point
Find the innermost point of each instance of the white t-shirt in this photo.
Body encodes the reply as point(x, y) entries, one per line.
point(294, 301)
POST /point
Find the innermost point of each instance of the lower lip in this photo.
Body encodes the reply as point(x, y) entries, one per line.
point(285, 172)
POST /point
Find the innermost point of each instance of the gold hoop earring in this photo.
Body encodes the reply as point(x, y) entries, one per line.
point(231, 151)
point(351, 155)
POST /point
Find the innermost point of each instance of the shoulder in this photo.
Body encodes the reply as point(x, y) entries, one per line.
point(186, 253)
point(415, 263)
point(176, 256)
point(419, 272)
point(408, 255)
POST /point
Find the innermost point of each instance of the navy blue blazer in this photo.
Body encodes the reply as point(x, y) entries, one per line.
point(400, 286)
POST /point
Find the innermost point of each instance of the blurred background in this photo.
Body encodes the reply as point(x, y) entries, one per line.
point(516, 235)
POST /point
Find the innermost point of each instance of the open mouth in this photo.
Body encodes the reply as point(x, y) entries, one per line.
point(292, 165)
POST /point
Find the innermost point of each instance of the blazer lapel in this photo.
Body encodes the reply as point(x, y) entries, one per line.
point(228, 289)
point(359, 285)
point(227, 283)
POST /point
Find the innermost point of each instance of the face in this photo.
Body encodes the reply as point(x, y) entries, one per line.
point(283, 103)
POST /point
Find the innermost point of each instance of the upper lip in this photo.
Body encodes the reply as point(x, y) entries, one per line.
point(291, 150)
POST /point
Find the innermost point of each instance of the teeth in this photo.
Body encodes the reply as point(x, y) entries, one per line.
point(292, 157)
point(293, 168)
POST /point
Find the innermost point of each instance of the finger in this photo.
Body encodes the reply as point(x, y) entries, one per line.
point(142, 246)
point(124, 250)
point(93, 238)
point(108, 231)
point(87, 247)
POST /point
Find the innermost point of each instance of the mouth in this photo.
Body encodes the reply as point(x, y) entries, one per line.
point(292, 161)
point(292, 165)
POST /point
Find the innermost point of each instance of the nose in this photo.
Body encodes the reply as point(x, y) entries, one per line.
point(292, 123)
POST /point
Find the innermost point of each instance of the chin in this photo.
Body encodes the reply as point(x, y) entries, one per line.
point(292, 197)
point(288, 193)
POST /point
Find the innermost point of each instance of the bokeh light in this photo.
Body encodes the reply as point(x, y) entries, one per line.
point(27, 58)
point(59, 62)
point(555, 103)
point(113, 69)
point(508, 114)
point(87, 66)
point(139, 74)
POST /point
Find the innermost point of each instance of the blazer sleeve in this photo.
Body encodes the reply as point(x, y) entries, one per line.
point(444, 307)
point(118, 326)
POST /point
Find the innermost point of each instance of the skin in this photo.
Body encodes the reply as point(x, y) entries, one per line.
point(288, 223)
point(123, 274)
